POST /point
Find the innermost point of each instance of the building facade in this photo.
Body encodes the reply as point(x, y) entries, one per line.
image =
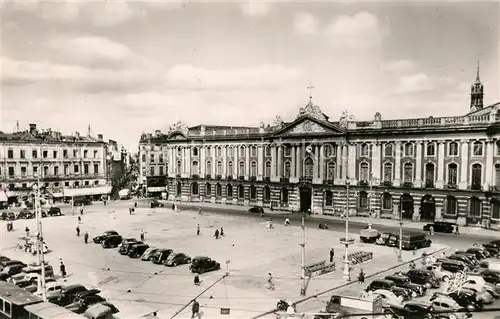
point(64, 165)
point(445, 168)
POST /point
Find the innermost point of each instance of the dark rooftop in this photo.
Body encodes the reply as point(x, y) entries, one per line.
point(16, 295)
point(33, 134)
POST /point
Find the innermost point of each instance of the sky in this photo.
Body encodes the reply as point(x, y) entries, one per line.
point(130, 67)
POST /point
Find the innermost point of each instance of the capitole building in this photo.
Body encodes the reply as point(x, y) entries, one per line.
point(421, 169)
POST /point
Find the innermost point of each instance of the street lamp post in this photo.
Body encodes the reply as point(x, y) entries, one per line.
point(347, 274)
point(400, 254)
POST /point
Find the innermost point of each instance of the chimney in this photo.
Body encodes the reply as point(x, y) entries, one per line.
point(77, 135)
point(32, 128)
point(100, 138)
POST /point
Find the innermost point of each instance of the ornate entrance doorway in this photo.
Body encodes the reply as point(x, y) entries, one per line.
point(305, 198)
point(428, 208)
point(406, 206)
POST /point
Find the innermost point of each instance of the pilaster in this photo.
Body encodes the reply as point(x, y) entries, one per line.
point(464, 164)
point(397, 162)
point(315, 164)
point(338, 164)
point(202, 162)
point(260, 162)
point(352, 164)
point(299, 161)
point(279, 162)
point(344, 162)
point(440, 168)
point(189, 164)
point(376, 163)
point(247, 162)
point(294, 163)
point(224, 161)
point(273, 162)
point(322, 163)
point(488, 179)
point(418, 168)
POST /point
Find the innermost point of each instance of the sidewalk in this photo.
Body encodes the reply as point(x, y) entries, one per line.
point(359, 220)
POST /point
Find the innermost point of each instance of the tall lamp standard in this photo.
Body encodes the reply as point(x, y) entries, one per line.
point(400, 254)
point(370, 205)
point(346, 241)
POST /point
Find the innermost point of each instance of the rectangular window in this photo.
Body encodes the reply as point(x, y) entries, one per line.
point(66, 170)
point(66, 184)
point(56, 170)
point(85, 153)
point(388, 172)
point(77, 184)
point(75, 152)
point(152, 171)
point(76, 168)
point(96, 168)
point(209, 151)
point(160, 158)
point(96, 153)
point(23, 154)
point(253, 151)
point(453, 149)
point(45, 171)
point(431, 149)
point(143, 158)
point(161, 171)
point(409, 150)
point(54, 153)
point(34, 153)
point(388, 150)
point(23, 171)
point(242, 151)
point(152, 158)
point(477, 149)
point(65, 153)
point(452, 174)
point(45, 154)
point(85, 168)
point(408, 173)
point(288, 151)
point(268, 150)
point(35, 170)
point(10, 153)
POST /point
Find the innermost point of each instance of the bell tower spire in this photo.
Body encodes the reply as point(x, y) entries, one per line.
point(476, 93)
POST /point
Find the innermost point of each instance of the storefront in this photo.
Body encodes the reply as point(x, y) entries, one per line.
point(158, 192)
point(94, 193)
point(156, 186)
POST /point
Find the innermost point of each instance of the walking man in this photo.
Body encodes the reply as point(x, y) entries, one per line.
point(221, 231)
point(27, 230)
point(86, 237)
point(77, 231)
point(198, 230)
point(332, 254)
point(196, 279)
point(81, 210)
point(62, 267)
point(79, 219)
point(361, 276)
point(195, 309)
point(270, 282)
point(216, 234)
point(142, 235)
point(457, 231)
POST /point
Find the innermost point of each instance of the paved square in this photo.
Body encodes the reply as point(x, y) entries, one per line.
point(251, 249)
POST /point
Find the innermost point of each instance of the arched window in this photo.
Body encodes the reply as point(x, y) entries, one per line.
point(475, 207)
point(388, 172)
point(267, 172)
point(218, 190)
point(241, 192)
point(208, 190)
point(363, 200)
point(219, 168)
point(308, 168)
point(477, 174)
point(388, 150)
point(330, 171)
point(408, 173)
point(253, 192)
point(194, 188)
point(452, 174)
point(430, 149)
point(195, 168)
point(288, 169)
point(218, 151)
point(387, 201)
point(208, 168)
point(409, 149)
point(365, 150)
point(284, 196)
point(477, 149)
point(241, 169)
point(328, 198)
point(230, 169)
point(266, 196)
point(253, 169)
point(179, 189)
point(429, 175)
point(453, 149)
point(229, 191)
point(450, 206)
point(242, 151)
point(179, 167)
point(364, 171)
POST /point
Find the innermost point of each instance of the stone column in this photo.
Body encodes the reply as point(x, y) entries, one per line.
point(273, 162)
point(344, 162)
point(418, 168)
point(260, 162)
point(202, 162)
point(338, 165)
point(376, 163)
point(293, 169)
point(224, 161)
point(214, 161)
point(352, 164)
point(322, 163)
point(184, 162)
point(440, 166)
point(299, 161)
point(279, 161)
point(247, 162)
point(316, 162)
point(397, 170)
point(488, 179)
point(464, 165)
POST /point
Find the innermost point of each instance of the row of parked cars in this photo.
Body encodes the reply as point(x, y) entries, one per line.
point(479, 270)
point(28, 214)
point(134, 248)
point(76, 298)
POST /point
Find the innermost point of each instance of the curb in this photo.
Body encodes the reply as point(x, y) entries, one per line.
point(350, 283)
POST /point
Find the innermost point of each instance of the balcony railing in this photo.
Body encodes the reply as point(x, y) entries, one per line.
point(241, 178)
point(284, 180)
point(363, 183)
point(429, 184)
point(408, 184)
point(387, 183)
point(195, 176)
point(208, 176)
point(305, 179)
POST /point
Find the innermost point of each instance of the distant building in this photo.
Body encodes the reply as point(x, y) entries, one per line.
point(430, 168)
point(65, 165)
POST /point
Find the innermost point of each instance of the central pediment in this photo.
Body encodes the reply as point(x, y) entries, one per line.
point(309, 125)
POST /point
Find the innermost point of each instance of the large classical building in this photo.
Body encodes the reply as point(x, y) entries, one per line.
point(66, 166)
point(433, 168)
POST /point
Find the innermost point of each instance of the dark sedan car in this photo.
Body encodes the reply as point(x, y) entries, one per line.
point(413, 310)
point(111, 241)
point(99, 239)
point(492, 249)
point(66, 295)
point(465, 298)
point(202, 264)
point(125, 248)
point(161, 256)
point(154, 204)
point(404, 282)
point(491, 276)
point(480, 253)
point(176, 259)
point(82, 303)
point(136, 251)
point(54, 211)
point(440, 227)
point(256, 210)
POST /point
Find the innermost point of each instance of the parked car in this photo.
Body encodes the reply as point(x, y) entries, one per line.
point(202, 264)
point(482, 288)
point(404, 282)
point(50, 287)
point(161, 256)
point(447, 308)
point(369, 235)
point(6, 263)
point(413, 310)
point(83, 301)
point(8, 216)
point(111, 241)
point(495, 242)
point(13, 269)
point(423, 277)
point(491, 276)
point(391, 286)
point(149, 253)
point(479, 280)
point(383, 239)
point(155, 203)
point(388, 297)
point(34, 286)
point(66, 295)
point(176, 259)
point(125, 249)
point(465, 298)
point(479, 252)
point(49, 271)
point(82, 201)
point(490, 263)
point(439, 273)
point(25, 214)
point(410, 241)
point(127, 241)
point(463, 259)
point(453, 266)
point(54, 211)
point(99, 239)
point(256, 210)
point(4, 258)
point(136, 251)
point(470, 256)
point(481, 293)
point(440, 227)
point(492, 249)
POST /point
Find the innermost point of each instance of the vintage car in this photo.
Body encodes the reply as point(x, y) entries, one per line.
point(54, 211)
point(99, 239)
point(404, 282)
point(125, 249)
point(383, 238)
point(49, 271)
point(256, 210)
point(176, 259)
point(83, 301)
point(149, 253)
point(412, 310)
point(161, 256)
point(66, 295)
point(368, 235)
point(202, 264)
point(137, 250)
point(492, 249)
point(127, 241)
point(111, 241)
point(440, 227)
point(447, 308)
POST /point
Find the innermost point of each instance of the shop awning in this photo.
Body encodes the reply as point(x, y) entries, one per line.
point(156, 189)
point(88, 191)
point(57, 195)
point(17, 193)
point(3, 196)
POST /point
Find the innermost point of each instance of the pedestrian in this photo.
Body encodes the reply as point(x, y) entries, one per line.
point(457, 231)
point(79, 219)
point(415, 251)
point(196, 279)
point(332, 254)
point(173, 207)
point(135, 205)
point(62, 267)
point(77, 231)
point(271, 224)
point(361, 276)
point(142, 235)
point(287, 221)
point(199, 210)
point(431, 230)
point(221, 231)
point(86, 237)
point(81, 210)
point(216, 235)
point(198, 230)
point(270, 282)
point(130, 210)
point(195, 309)
point(27, 230)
